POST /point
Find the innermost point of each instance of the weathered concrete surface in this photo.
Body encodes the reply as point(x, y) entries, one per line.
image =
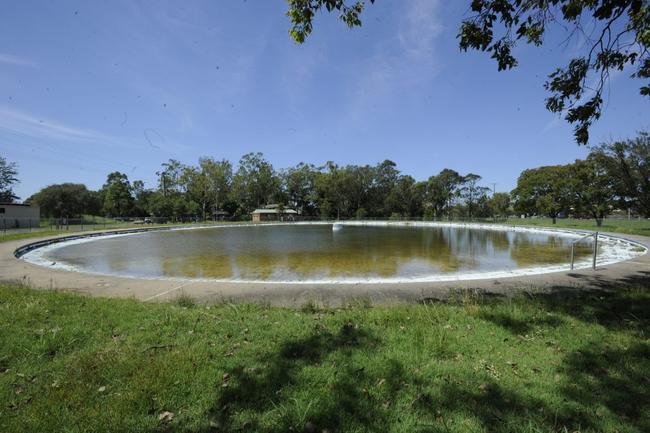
point(12, 269)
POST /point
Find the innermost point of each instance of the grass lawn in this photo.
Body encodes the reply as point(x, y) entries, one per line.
point(632, 227)
point(88, 227)
point(77, 364)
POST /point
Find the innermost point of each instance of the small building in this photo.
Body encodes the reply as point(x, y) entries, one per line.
point(273, 212)
point(16, 215)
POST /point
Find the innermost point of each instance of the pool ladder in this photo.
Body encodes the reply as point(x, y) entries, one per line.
point(573, 248)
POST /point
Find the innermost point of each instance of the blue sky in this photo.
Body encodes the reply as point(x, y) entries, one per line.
point(90, 87)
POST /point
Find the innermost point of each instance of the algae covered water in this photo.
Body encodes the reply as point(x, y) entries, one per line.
point(295, 253)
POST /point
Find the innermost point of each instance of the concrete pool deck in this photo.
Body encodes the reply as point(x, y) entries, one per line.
point(14, 270)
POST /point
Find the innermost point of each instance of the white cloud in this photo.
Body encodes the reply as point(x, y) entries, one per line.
point(9, 59)
point(18, 122)
point(43, 129)
point(402, 63)
point(419, 30)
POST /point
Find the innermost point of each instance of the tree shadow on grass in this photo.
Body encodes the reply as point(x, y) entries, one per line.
point(496, 409)
point(520, 326)
point(613, 379)
point(256, 394)
point(623, 309)
point(620, 305)
point(598, 378)
point(597, 387)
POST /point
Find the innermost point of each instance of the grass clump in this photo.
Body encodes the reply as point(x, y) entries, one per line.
point(71, 363)
point(184, 300)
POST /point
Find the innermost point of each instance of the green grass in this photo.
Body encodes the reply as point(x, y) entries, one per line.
point(632, 227)
point(54, 232)
point(77, 364)
point(76, 229)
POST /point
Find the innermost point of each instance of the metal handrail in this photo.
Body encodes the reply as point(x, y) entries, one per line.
point(573, 245)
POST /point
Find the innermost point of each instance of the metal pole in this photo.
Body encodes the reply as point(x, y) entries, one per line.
point(573, 247)
point(595, 250)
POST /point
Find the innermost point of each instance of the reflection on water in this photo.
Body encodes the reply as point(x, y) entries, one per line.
point(312, 252)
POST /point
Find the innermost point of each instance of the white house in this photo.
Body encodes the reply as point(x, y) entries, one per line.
point(15, 215)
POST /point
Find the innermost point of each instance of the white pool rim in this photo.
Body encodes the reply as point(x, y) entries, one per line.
point(614, 249)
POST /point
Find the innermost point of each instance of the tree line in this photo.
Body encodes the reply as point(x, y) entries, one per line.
point(613, 176)
point(213, 188)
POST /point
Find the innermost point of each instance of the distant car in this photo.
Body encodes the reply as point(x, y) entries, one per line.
point(148, 221)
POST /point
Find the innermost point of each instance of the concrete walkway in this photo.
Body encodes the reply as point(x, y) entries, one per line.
point(14, 270)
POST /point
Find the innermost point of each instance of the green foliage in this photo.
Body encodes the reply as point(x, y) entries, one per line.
point(218, 179)
point(442, 190)
point(299, 183)
point(543, 191)
point(499, 204)
point(302, 12)
point(405, 197)
point(473, 194)
point(8, 173)
point(627, 164)
point(67, 200)
point(118, 198)
point(615, 175)
point(256, 183)
point(593, 189)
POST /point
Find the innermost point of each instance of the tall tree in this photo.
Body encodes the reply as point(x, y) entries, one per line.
point(300, 183)
point(330, 184)
point(442, 190)
point(142, 198)
point(360, 188)
point(628, 163)
point(196, 187)
point(385, 179)
point(617, 35)
point(8, 173)
point(543, 191)
point(472, 193)
point(118, 198)
point(169, 177)
point(499, 204)
point(65, 200)
point(404, 198)
point(591, 188)
point(255, 182)
point(219, 177)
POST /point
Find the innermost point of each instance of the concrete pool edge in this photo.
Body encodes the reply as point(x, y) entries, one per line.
point(613, 250)
point(13, 269)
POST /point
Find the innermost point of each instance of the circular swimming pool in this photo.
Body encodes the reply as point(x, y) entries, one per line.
point(352, 252)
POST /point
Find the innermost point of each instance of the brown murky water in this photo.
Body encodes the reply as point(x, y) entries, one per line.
point(316, 252)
